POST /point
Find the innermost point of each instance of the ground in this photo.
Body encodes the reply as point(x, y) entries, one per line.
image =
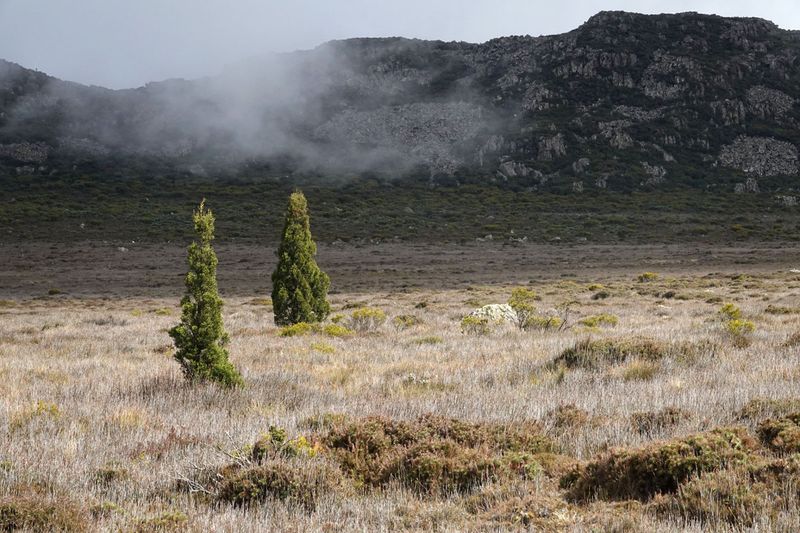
point(98, 423)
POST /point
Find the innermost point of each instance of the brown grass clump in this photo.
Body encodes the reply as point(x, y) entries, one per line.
point(737, 495)
point(169, 521)
point(781, 435)
point(294, 482)
point(594, 354)
point(32, 511)
point(654, 421)
point(658, 468)
point(565, 417)
point(759, 409)
point(432, 454)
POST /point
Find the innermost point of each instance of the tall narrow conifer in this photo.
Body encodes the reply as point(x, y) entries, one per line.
point(200, 337)
point(299, 287)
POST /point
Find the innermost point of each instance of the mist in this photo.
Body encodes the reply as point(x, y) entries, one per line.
point(122, 44)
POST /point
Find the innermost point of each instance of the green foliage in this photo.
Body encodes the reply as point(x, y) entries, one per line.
point(739, 328)
point(200, 338)
point(646, 277)
point(541, 322)
point(296, 330)
point(730, 311)
point(299, 287)
point(522, 301)
point(337, 330)
point(603, 319)
point(367, 319)
point(276, 444)
point(658, 468)
point(475, 325)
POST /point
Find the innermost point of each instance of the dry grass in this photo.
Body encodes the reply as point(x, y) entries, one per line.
point(94, 409)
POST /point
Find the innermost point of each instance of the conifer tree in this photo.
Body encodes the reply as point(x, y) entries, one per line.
point(200, 338)
point(299, 287)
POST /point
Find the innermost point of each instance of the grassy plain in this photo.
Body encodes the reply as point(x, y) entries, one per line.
point(99, 431)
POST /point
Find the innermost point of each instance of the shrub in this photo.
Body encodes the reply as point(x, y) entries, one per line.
point(536, 322)
point(781, 435)
point(299, 287)
point(296, 483)
point(200, 338)
point(37, 512)
point(276, 443)
point(591, 354)
point(522, 301)
point(474, 325)
point(296, 330)
point(595, 321)
point(367, 319)
point(758, 409)
point(336, 330)
point(646, 277)
point(659, 467)
point(728, 495)
point(432, 454)
point(730, 311)
point(406, 321)
point(739, 328)
point(601, 295)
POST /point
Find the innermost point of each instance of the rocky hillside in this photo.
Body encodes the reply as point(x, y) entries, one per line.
point(624, 102)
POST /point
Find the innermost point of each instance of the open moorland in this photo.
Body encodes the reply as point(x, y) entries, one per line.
point(635, 402)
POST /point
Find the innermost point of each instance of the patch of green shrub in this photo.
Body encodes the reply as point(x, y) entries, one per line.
point(337, 330)
point(275, 443)
point(474, 325)
point(537, 322)
point(367, 319)
point(593, 354)
point(596, 321)
point(646, 277)
point(730, 311)
point(658, 468)
point(296, 330)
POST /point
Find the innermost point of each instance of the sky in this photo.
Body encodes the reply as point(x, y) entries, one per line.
point(127, 43)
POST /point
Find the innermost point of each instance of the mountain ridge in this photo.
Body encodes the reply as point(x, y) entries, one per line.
point(623, 102)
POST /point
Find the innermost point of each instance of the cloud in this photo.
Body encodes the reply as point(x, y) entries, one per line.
point(119, 43)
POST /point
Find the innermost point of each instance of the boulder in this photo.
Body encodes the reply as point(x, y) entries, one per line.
point(496, 313)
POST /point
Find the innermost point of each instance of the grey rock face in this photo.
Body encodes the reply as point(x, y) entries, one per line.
point(25, 152)
point(761, 156)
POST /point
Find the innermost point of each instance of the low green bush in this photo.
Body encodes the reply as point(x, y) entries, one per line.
point(660, 467)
